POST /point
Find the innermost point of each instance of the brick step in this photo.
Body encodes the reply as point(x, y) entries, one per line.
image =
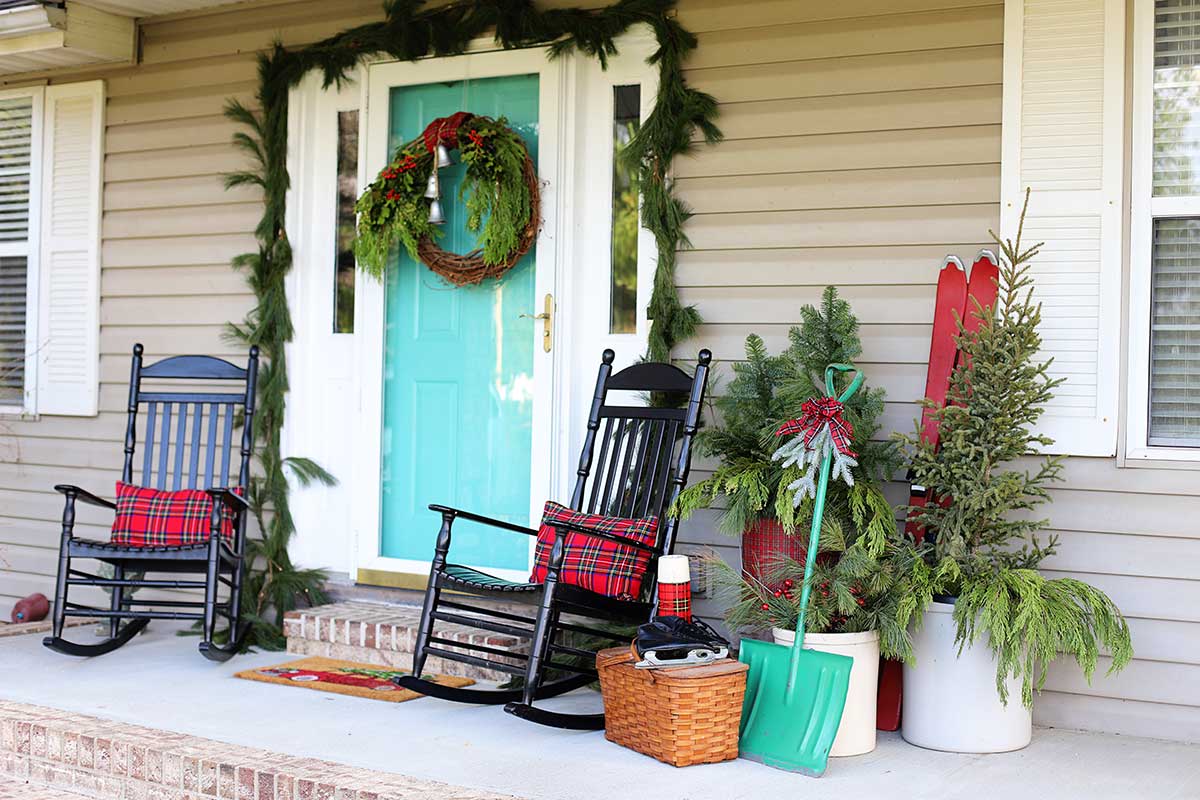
point(50, 754)
point(385, 634)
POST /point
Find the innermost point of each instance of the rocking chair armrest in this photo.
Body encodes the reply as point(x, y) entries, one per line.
point(230, 498)
point(608, 537)
point(495, 523)
point(83, 495)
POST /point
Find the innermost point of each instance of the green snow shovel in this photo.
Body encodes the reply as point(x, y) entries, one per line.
point(795, 697)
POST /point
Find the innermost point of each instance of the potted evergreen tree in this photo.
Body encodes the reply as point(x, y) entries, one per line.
point(765, 391)
point(853, 609)
point(987, 622)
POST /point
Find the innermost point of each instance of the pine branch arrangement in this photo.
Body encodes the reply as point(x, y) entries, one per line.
point(987, 549)
point(768, 390)
point(853, 590)
point(409, 31)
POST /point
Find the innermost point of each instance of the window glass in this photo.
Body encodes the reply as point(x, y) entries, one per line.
point(347, 189)
point(16, 121)
point(1175, 333)
point(1176, 98)
point(627, 103)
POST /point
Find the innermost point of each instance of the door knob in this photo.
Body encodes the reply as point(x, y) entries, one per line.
point(547, 318)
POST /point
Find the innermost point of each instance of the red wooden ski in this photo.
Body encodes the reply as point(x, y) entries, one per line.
point(983, 288)
point(949, 307)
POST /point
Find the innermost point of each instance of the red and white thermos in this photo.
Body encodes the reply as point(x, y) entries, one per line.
point(675, 587)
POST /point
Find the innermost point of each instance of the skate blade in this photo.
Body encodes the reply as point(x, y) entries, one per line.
point(693, 658)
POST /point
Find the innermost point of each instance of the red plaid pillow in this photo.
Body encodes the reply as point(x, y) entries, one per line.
point(604, 567)
point(153, 518)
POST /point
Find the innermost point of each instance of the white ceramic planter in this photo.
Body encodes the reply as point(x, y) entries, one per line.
point(856, 733)
point(950, 700)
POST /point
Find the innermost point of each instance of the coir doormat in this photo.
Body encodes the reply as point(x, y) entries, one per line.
point(344, 677)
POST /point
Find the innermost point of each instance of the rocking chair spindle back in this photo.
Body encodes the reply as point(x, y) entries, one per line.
point(188, 443)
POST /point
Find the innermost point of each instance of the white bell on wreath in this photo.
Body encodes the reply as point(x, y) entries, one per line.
point(436, 217)
point(443, 156)
point(432, 189)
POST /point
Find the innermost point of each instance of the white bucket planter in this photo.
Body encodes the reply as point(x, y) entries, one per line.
point(950, 700)
point(856, 733)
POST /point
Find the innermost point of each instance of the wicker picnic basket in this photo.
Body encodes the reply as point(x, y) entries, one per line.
point(679, 715)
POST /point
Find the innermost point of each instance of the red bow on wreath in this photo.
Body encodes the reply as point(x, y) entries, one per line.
point(444, 130)
point(815, 414)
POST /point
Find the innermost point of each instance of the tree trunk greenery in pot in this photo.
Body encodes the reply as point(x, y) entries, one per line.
point(988, 624)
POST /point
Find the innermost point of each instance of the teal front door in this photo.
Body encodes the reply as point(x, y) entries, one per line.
point(458, 385)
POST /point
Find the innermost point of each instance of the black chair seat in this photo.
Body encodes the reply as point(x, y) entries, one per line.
point(462, 577)
point(91, 548)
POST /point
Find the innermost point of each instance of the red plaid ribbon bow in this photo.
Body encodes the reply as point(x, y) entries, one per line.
point(444, 130)
point(813, 415)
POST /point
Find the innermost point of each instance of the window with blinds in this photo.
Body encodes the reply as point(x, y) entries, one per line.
point(16, 146)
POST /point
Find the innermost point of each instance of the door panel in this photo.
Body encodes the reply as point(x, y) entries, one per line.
point(458, 386)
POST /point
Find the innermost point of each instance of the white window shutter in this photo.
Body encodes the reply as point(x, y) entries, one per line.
point(1062, 138)
point(69, 297)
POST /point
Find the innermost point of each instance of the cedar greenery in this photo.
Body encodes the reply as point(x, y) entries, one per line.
point(410, 31)
point(498, 201)
point(853, 590)
point(767, 390)
point(987, 550)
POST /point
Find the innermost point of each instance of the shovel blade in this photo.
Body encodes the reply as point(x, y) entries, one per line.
point(795, 732)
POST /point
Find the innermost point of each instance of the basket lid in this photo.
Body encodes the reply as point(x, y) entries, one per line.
point(617, 656)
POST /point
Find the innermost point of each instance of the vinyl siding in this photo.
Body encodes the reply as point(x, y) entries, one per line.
point(863, 144)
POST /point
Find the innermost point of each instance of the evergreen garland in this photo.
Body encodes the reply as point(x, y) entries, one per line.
point(409, 32)
point(987, 550)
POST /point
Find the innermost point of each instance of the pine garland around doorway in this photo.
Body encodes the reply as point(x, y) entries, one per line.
point(409, 31)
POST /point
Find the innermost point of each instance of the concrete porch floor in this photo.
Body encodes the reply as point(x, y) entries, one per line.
point(160, 681)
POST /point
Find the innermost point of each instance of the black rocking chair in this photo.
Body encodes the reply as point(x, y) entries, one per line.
point(643, 463)
point(183, 426)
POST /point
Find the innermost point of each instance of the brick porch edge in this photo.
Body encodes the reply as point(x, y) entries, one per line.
point(102, 759)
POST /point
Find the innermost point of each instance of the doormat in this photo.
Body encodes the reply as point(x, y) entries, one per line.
point(344, 677)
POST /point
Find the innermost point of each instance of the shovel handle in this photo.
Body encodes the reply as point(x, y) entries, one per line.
point(830, 390)
point(814, 534)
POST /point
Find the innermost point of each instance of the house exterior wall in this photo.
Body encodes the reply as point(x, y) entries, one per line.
point(863, 144)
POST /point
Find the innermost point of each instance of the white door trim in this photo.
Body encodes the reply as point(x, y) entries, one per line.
point(555, 140)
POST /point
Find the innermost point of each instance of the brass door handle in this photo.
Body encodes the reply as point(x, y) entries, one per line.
point(547, 318)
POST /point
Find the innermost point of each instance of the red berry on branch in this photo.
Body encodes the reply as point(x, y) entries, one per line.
point(788, 584)
point(766, 606)
point(861, 602)
point(779, 593)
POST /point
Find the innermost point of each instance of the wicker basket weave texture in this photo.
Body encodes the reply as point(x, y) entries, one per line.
point(678, 715)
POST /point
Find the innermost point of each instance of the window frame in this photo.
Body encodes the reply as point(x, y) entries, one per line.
point(1144, 209)
point(31, 249)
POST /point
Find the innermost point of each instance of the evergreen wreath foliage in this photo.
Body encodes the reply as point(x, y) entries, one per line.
point(767, 390)
point(409, 32)
point(987, 550)
point(499, 203)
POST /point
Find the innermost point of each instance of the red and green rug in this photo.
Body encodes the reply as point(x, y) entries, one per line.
point(344, 677)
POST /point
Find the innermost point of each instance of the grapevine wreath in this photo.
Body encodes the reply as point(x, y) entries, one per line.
point(500, 188)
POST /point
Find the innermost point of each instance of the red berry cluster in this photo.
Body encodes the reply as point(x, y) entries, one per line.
point(394, 170)
point(475, 138)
